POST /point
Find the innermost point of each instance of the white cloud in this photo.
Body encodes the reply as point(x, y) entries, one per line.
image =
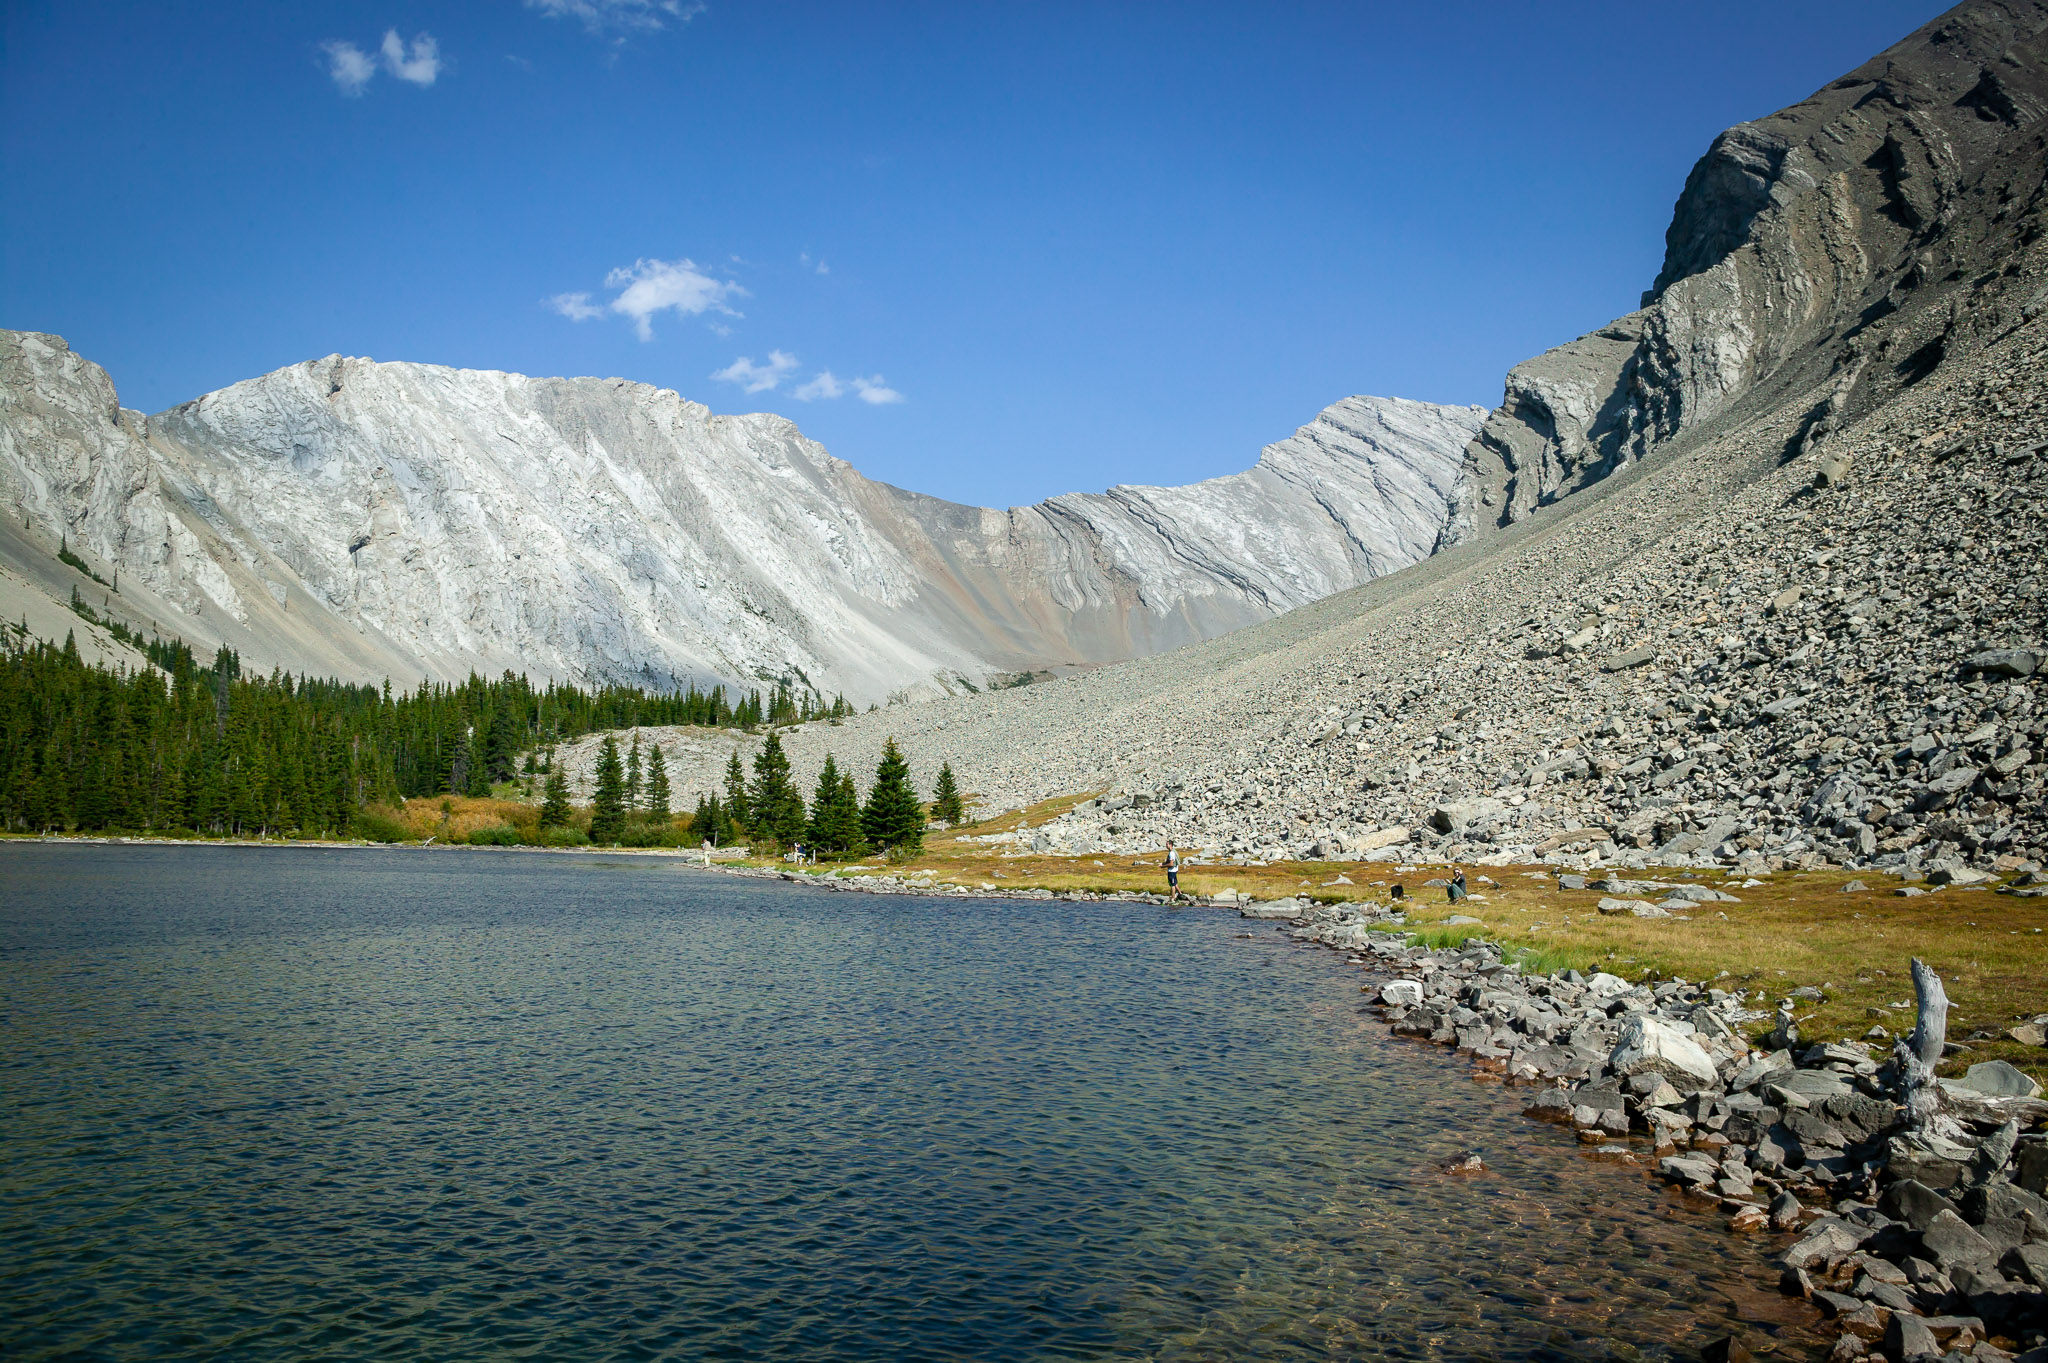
point(625, 16)
point(420, 65)
point(577, 307)
point(757, 378)
point(804, 258)
point(348, 66)
point(826, 384)
point(651, 286)
point(823, 385)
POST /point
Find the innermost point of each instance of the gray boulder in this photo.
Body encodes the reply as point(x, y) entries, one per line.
point(1998, 1079)
point(2005, 662)
point(1648, 1045)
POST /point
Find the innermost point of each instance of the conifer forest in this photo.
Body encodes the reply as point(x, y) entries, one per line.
point(208, 749)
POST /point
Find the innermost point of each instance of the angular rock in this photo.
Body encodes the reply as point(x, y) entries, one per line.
point(1999, 1079)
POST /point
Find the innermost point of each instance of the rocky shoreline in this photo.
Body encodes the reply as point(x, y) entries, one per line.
point(1920, 1228)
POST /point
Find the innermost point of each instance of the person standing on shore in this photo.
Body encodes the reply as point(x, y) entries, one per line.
point(1172, 865)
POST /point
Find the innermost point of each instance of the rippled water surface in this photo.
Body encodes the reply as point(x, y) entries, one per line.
point(305, 1104)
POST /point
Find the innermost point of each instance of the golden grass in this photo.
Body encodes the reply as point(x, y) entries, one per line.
point(452, 818)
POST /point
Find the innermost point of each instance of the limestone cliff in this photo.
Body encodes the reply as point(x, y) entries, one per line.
point(412, 520)
point(1793, 236)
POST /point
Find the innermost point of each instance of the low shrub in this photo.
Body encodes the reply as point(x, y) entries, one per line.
point(564, 837)
point(654, 835)
point(377, 826)
point(494, 835)
point(452, 818)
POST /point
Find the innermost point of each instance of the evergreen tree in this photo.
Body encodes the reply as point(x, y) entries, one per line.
point(946, 805)
point(775, 803)
point(736, 793)
point(657, 784)
point(894, 817)
point(502, 738)
point(554, 805)
point(835, 814)
point(478, 785)
point(633, 773)
point(608, 802)
point(712, 823)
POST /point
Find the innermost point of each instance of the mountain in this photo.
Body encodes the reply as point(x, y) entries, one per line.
point(1763, 579)
point(1793, 240)
point(404, 520)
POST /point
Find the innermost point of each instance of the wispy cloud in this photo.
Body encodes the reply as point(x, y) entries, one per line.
point(820, 266)
point(418, 65)
point(647, 287)
point(348, 66)
point(822, 385)
point(651, 286)
point(757, 378)
point(826, 384)
point(621, 16)
point(577, 307)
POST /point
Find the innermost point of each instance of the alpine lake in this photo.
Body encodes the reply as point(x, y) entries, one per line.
point(333, 1103)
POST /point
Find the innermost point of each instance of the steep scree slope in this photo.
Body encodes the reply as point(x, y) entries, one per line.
point(1809, 625)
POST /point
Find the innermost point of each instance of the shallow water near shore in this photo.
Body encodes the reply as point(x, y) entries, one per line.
point(267, 1103)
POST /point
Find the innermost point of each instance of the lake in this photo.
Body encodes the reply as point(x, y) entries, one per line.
point(303, 1103)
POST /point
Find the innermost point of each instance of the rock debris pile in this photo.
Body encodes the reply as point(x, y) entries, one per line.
point(1754, 576)
point(1919, 1241)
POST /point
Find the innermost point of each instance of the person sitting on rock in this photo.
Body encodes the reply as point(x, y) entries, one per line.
point(1456, 889)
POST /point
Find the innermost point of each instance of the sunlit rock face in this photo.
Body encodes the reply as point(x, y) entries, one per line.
point(1793, 234)
point(413, 520)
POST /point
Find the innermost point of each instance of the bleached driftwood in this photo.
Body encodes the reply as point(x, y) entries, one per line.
point(1919, 1053)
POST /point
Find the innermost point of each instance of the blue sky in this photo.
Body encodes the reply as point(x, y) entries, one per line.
point(989, 252)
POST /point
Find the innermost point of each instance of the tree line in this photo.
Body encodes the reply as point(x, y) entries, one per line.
point(767, 809)
point(208, 749)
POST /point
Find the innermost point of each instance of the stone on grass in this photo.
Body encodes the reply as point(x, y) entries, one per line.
point(1998, 1079)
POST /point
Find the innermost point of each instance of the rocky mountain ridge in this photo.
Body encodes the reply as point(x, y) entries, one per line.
point(1794, 237)
point(1809, 626)
point(371, 520)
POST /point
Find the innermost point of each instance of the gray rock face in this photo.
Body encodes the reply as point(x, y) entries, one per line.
point(1790, 227)
point(1879, 717)
point(601, 530)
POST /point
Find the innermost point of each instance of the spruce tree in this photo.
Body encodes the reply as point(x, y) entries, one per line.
point(946, 805)
point(777, 806)
point(478, 784)
point(633, 773)
point(554, 805)
point(657, 784)
point(736, 792)
point(608, 802)
point(894, 817)
point(835, 814)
